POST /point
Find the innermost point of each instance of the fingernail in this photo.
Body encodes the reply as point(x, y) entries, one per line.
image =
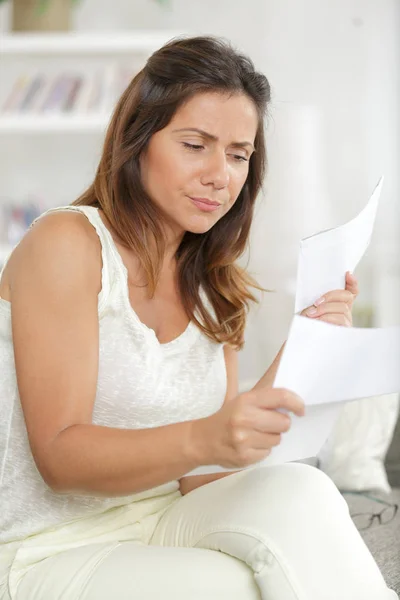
point(311, 311)
point(319, 301)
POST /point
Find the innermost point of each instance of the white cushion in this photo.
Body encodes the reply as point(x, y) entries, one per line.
point(354, 453)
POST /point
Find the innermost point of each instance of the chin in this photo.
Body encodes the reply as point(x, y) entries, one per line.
point(200, 224)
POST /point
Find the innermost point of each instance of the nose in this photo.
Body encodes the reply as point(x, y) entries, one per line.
point(216, 172)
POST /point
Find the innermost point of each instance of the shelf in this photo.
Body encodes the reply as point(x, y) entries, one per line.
point(73, 42)
point(82, 123)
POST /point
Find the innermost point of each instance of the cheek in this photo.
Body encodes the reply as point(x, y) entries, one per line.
point(174, 173)
point(236, 184)
point(160, 174)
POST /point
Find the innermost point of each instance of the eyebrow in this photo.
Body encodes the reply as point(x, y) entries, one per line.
point(213, 138)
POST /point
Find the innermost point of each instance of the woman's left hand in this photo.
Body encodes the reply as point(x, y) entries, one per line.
point(336, 306)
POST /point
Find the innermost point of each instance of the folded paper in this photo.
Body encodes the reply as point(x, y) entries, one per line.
point(326, 364)
point(325, 257)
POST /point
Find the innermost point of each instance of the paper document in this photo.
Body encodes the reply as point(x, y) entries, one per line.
point(325, 364)
point(325, 257)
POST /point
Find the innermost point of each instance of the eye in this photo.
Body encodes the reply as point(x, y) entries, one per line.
point(192, 146)
point(240, 158)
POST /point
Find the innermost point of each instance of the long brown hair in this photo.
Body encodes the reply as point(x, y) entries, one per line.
point(171, 76)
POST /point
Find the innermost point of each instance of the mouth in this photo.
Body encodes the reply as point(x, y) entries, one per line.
point(205, 204)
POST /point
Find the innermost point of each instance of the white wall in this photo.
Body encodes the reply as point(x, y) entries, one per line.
point(335, 69)
point(335, 127)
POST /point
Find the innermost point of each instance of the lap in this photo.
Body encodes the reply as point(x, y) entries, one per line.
point(289, 523)
point(258, 501)
point(284, 528)
point(130, 571)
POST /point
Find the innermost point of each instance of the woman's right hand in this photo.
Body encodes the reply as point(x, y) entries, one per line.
point(245, 429)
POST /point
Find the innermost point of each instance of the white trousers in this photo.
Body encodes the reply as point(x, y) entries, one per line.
point(284, 531)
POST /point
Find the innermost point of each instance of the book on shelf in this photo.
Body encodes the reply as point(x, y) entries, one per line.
point(16, 94)
point(32, 90)
point(66, 92)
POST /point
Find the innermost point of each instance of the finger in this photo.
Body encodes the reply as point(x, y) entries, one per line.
point(336, 319)
point(259, 452)
point(275, 398)
point(252, 438)
point(327, 308)
point(260, 441)
point(335, 296)
point(352, 283)
point(272, 421)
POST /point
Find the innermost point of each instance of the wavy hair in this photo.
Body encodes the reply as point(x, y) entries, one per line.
point(172, 75)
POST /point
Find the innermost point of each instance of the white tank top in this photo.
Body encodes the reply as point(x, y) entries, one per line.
point(141, 384)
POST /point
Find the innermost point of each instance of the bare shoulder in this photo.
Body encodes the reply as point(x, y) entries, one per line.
point(60, 230)
point(55, 279)
point(60, 242)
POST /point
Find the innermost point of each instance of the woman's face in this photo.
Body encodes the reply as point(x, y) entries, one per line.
point(200, 157)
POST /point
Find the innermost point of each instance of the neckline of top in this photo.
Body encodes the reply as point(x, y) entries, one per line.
point(148, 332)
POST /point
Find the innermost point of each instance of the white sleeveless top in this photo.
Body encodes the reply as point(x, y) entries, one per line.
point(141, 384)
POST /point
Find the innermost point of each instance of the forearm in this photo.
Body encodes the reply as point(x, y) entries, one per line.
point(91, 459)
point(268, 378)
point(187, 484)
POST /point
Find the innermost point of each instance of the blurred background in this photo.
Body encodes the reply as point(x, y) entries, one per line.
point(334, 125)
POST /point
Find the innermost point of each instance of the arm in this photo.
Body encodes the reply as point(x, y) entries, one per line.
point(54, 298)
point(268, 378)
point(187, 484)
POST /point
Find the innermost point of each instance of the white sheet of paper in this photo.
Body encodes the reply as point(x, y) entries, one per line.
point(325, 257)
point(324, 364)
point(360, 363)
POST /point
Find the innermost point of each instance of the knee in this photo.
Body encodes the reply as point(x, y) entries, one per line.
point(272, 507)
point(309, 482)
point(296, 485)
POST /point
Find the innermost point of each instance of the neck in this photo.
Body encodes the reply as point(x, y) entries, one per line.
point(173, 240)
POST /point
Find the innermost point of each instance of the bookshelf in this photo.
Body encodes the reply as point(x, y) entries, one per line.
point(54, 124)
point(91, 59)
point(115, 42)
point(49, 147)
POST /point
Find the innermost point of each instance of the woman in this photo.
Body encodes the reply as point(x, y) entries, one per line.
point(121, 318)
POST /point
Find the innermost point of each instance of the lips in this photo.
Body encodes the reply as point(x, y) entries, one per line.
point(204, 204)
point(205, 201)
